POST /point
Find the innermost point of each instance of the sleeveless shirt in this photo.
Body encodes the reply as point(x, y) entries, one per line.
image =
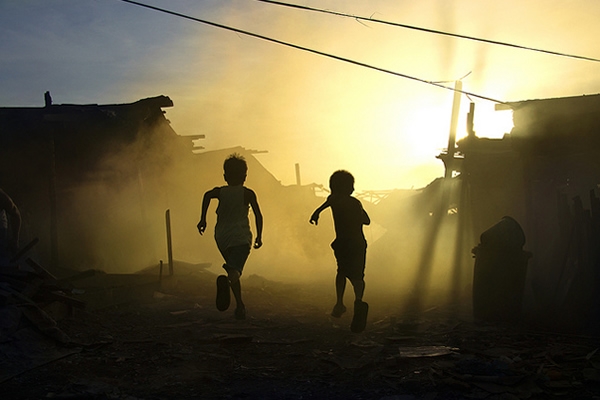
point(233, 225)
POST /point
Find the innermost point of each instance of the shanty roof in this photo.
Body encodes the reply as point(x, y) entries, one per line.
point(20, 123)
point(557, 122)
point(74, 139)
point(572, 103)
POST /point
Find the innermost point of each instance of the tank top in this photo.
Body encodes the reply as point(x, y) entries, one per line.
point(233, 225)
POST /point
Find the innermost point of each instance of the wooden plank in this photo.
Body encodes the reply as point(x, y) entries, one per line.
point(65, 299)
point(24, 250)
point(40, 270)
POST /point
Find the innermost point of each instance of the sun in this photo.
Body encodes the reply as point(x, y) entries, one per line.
point(490, 123)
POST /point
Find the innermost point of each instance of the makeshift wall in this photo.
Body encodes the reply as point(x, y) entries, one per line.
point(545, 174)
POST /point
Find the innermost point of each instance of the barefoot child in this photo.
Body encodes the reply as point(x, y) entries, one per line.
point(349, 246)
point(232, 231)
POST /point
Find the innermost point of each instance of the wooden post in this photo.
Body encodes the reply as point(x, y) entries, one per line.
point(160, 274)
point(470, 117)
point(169, 245)
point(453, 125)
point(298, 180)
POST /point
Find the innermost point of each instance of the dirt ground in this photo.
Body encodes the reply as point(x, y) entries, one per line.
point(174, 344)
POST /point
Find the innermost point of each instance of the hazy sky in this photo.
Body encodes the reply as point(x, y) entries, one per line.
point(301, 107)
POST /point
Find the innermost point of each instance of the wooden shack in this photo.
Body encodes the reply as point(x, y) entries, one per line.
point(67, 167)
point(545, 174)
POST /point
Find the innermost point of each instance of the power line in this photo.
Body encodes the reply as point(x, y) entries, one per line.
point(361, 64)
point(555, 53)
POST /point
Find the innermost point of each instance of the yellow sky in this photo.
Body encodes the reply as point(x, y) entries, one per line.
point(301, 107)
point(326, 114)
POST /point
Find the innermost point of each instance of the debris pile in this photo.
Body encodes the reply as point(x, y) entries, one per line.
point(33, 301)
point(174, 343)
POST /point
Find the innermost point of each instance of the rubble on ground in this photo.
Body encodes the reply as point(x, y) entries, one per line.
point(167, 340)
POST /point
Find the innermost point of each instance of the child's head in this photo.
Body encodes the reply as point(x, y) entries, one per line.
point(235, 169)
point(341, 182)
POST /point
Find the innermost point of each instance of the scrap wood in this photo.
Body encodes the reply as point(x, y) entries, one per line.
point(456, 383)
point(233, 339)
point(181, 312)
point(27, 354)
point(591, 354)
point(182, 324)
point(24, 250)
point(33, 285)
point(366, 344)
point(161, 295)
point(85, 274)
point(62, 297)
point(40, 270)
point(283, 341)
point(562, 384)
point(42, 321)
point(394, 339)
point(426, 351)
point(18, 295)
point(505, 380)
point(235, 326)
point(24, 291)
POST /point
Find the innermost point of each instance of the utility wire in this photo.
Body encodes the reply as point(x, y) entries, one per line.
point(361, 64)
point(279, 3)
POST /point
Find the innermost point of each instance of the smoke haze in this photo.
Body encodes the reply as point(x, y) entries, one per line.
point(121, 228)
point(299, 107)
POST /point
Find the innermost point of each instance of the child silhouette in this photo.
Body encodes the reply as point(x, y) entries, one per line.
point(232, 231)
point(349, 246)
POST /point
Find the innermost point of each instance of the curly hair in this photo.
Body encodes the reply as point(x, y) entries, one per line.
point(235, 169)
point(341, 182)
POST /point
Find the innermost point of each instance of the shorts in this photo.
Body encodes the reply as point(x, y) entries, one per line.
point(235, 257)
point(351, 260)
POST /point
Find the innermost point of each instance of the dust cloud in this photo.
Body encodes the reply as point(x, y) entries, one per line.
point(116, 223)
point(325, 114)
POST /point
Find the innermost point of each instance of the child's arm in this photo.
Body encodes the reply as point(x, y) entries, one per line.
point(365, 218)
point(208, 196)
point(314, 219)
point(257, 216)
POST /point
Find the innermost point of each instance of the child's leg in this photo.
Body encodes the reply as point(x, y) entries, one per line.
point(361, 309)
point(340, 288)
point(359, 288)
point(236, 288)
point(357, 274)
point(236, 258)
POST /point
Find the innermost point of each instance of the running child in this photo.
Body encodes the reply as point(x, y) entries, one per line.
point(349, 246)
point(232, 231)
